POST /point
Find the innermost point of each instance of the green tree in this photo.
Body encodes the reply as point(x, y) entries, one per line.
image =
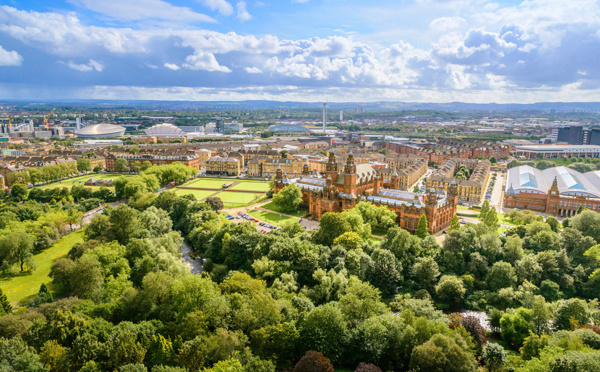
point(121, 165)
point(84, 165)
point(579, 209)
point(493, 160)
point(19, 192)
point(443, 353)
point(422, 228)
point(5, 307)
point(215, 203)
point(331, 226)
point(425, 273)
point(349, 240)
point(485, 207)
point(97, 169)
point(17, 248)
point(455, 223)
point(324, 329)
point(86, 279)
point(134, 150)
point(491, 219)
point(553, 222)
point(516, 326)
point(493, 356)
point(451, 290)
point(360, 301)
point(385, 271)
point(289, 198)
point(501, 275)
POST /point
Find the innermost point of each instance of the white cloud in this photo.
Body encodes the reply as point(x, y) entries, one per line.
point(151, 65)
point(172, 66)
point(82, 67)
point(253, 70)
point(11, 58)
point(242, 13)
point(445, 24)
point(222, 6)
point(134, 10)
point(203, 61)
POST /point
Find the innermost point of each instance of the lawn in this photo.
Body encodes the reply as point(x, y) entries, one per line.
point(199, 194)
point(273, 207)
point(18, 288)
point(237, 197)
point(272, 218)
point(80, 180)
point(204, 183)
point(251, 186)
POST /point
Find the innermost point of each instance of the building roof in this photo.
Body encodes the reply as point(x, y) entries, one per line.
point(570, 182)
point(164, 129)
point(100, 130)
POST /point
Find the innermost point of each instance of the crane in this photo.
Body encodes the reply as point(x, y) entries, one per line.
point(46, 118)
point(9, 117)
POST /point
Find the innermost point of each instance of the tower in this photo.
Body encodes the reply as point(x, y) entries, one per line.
point(341, 115)
point(395, 181)
point(350, 175)
point(305, 169)
point(324, 116)
point(331, 168)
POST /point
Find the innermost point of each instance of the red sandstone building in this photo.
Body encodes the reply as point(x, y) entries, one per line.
point(342, 189)
point(559, 191)
point(443, 150)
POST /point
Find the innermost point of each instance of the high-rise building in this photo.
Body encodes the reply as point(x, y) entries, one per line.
point(220, 125)
point(341, 115)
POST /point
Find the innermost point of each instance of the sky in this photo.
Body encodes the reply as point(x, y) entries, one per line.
point(301, 50)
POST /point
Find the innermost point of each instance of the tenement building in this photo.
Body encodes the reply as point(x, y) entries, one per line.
point(409, 169)
point(342, 188)
point(223, 166)
point(470, 176)
point(267, 167)
point(440, 151)
point(559, 191)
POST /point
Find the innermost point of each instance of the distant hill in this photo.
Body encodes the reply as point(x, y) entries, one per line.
point(368, 106)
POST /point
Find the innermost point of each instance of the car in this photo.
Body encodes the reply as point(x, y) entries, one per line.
point(445, 232)
point(463, 221)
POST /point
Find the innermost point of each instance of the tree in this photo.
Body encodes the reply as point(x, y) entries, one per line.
point(97, 169)
point(324, 329)
point(289, 198)
point(494, 356)
point(121, 165)
point(284, 154)
point(5, 306)
point(19, 192)
point(367, 367)
point(553, 222)
point(134, 150)
point(215, 203)
point(455, 223)
point(349, 240)
point(451, 290)
point(422, 228)
point(571, 313)
point(313, 361)
point(17, 248)
point(493, 160)
point(443, 353)
point(84, 165)
point(385, 271)
point(515, 327)
point(86, 279)
point(425, 273)
point(491, 219)
point(485, 207)
point(501, 275)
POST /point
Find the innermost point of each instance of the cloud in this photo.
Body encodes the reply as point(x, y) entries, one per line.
point(90, 66)
point(445, 24)
point(242, 13)
point(172, 66)
point(222, 6)
point(300, 1)
point(11, 58)
point(135, 10)
point(203, 61)
point(253, 70)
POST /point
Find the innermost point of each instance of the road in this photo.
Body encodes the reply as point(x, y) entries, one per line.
point(498, 193)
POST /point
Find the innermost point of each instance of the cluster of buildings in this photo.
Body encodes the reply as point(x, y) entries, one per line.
point(470, 190)
point(559, 191)
point(438, 152)
point(343, 186)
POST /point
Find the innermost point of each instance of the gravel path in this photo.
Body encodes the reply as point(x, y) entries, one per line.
point(195, 265)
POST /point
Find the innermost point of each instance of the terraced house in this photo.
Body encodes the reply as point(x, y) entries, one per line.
point(223, 166)
point(471, 177)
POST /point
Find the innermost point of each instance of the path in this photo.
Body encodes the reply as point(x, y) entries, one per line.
point(195, 265)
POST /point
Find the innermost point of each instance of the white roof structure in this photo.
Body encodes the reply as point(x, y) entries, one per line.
point(164, 129)
point(570, 182)
point(100, 130)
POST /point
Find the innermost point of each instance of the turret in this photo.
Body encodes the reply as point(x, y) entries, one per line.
point(305, 169)
point(279, 174)
point(395, 181)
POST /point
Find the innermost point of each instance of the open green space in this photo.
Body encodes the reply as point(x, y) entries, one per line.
point(21, 286)
point(204, 183)
point(272, 218)
point(273, 207)
point(251, 186)
point(81, 180)
point(237, 197)
point(199, 194)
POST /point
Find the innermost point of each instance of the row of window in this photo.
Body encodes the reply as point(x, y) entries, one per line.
point(577, 205)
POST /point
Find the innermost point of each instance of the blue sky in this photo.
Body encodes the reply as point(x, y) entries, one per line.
point(305, 50)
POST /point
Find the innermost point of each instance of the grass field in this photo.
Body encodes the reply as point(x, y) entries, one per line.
point(251, 186)
point(272, 218)
point(80, 180)
point(203, 183)
point(237, 197)
point(18, 288)
point(199, 194)
point(273, 207)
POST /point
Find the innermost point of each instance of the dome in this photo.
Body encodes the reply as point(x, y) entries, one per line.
point(163, 129)
point(100, 130)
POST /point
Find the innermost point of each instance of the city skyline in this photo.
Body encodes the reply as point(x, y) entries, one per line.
point(420, 51)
